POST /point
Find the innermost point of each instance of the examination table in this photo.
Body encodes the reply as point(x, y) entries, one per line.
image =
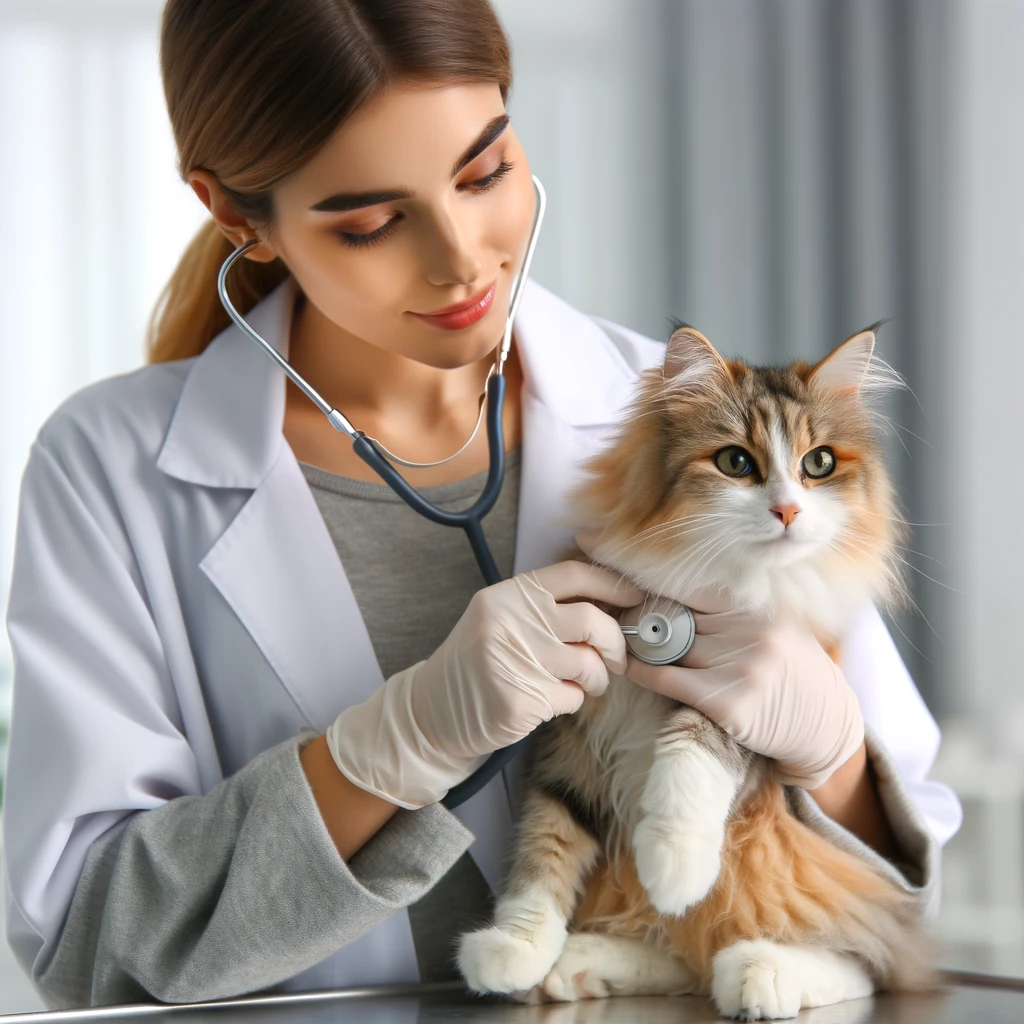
point(968, 999)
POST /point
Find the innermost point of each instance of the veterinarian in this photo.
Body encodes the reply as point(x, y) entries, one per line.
point(216, 605)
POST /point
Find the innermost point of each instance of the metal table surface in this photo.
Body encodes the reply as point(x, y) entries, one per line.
point(978, 998)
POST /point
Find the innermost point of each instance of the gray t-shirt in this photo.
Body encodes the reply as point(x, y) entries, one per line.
point(412, 579)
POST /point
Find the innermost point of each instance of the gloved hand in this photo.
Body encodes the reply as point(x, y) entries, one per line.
point(769, 685)
point(516, 658)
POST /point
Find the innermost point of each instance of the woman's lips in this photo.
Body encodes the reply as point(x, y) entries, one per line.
point(456, 317)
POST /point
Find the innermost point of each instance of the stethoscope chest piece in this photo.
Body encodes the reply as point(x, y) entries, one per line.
point(659, 631)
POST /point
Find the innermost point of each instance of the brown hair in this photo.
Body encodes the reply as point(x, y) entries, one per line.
point(255, 88)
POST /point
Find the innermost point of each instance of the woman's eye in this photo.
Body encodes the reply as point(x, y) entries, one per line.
point(492, 179)
point(734, 461)
point(355, 239)
point(819, 462)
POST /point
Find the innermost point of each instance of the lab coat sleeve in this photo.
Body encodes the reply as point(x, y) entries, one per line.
point(902, 740)
point(124, 882)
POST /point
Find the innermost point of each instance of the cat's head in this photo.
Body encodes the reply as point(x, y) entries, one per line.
point(765, 482)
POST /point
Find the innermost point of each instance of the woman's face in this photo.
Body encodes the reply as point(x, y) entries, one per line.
point(420, 201)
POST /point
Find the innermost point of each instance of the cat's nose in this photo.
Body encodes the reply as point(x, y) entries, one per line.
point(787, 513)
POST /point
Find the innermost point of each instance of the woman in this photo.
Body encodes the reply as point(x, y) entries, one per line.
point(229, 743)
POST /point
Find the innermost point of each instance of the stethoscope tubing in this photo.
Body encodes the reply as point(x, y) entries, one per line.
point(468, 519)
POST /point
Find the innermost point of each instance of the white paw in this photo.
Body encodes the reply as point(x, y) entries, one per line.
point(677, 866)
point(496, 960)
point(755, 979)
point(577, 973)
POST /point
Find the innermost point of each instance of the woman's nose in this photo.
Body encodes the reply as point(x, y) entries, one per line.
point(452, 257)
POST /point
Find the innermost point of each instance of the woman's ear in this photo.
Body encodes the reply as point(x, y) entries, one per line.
point(235, 228)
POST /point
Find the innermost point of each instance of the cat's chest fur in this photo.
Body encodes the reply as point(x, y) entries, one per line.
point(606, 749)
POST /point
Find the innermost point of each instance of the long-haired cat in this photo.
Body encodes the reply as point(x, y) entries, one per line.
point(654, 854)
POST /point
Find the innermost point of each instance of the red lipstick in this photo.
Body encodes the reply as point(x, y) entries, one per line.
point(462, 314)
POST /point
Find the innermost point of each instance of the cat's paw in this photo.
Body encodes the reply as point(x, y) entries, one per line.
point(580, 971)
point(677, 866)
point(758, 978)
point(492, 960)
point(755, 979)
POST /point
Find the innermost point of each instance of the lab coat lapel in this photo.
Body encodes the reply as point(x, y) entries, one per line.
point(315, 639)
point(576, 385)
point(552, 451)
point(275, 563)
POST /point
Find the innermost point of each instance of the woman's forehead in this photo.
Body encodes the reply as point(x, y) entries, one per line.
point(412, 133)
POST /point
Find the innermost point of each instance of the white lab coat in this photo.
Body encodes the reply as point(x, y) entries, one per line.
point(201, 615)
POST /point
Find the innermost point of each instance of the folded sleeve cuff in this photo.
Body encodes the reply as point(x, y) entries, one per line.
point(234, 891)
point(916, 869)
point(400, 863)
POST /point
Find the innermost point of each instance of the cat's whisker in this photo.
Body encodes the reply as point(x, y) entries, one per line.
point(620, 549)
point(911, 642)
point(896, 433)
point(840, 547)
point(900, 519)
point(899, 426)
point(662, 529)
point(692, 574)
point(909, 565)
point(905, 591)
point(914, 551)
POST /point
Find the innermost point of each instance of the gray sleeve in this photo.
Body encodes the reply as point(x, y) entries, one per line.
point(917, 869)
point(234, 891)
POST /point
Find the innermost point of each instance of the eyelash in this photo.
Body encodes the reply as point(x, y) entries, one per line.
point(479, 186)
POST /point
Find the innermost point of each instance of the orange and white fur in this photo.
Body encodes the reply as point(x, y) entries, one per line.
point(654, 854)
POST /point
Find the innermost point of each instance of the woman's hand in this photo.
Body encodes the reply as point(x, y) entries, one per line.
point(769, 685)
point(525, 649)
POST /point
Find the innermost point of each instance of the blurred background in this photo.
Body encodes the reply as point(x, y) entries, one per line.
point(779, 173)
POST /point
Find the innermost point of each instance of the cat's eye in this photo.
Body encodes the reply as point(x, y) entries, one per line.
point(734, 461)
point(819, 462)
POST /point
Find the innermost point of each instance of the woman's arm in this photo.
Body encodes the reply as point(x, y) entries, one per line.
point(351, 815)
point(234, 891)
point(126, 882)
point(850, 798)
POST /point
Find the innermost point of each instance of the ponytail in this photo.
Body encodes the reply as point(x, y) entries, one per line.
point(189, 314)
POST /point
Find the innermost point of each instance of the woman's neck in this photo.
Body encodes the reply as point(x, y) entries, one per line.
point(420, 412)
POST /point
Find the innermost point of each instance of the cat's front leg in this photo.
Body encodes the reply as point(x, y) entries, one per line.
point(553, 856)
point(695, 775)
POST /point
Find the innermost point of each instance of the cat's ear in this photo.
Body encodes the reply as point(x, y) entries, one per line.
point(691, 360)
point(845, 368)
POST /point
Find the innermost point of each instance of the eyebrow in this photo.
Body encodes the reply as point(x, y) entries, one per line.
point(356, 200)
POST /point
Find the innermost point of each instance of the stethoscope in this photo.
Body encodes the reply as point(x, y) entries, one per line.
point(657, 636)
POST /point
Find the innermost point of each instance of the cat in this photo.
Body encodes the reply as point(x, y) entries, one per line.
point(654, 854)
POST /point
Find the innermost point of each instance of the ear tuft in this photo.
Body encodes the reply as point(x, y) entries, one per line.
point(845, 368)
point(691, 360)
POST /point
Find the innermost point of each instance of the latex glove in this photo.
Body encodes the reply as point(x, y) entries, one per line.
point(770, 685)
point(516, 658)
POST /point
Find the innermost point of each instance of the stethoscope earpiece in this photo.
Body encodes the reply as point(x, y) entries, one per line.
point(661, 635)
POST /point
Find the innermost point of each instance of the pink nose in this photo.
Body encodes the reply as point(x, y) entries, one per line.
point(787, 513)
